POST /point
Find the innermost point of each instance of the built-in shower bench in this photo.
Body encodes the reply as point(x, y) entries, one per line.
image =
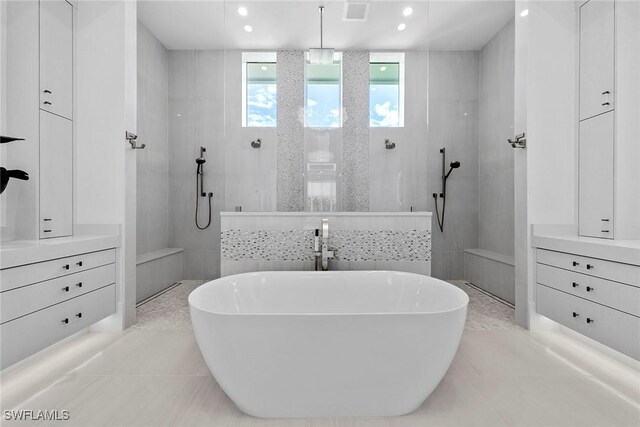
point(491, 271)
point(157, 270)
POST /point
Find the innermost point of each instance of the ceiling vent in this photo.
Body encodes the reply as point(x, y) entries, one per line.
point(357, 10)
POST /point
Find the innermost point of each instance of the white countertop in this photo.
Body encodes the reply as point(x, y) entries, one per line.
point(563, 239)
point(325, 213)
point(21, 252)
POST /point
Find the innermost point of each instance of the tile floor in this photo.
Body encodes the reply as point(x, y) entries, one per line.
point(153, 375)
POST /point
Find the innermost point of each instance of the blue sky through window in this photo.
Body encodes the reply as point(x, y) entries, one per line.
point(261, 105)
point(383, 105)
point(323, 105)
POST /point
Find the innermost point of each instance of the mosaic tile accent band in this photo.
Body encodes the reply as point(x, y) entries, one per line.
point(355, 144)
point(290, 163)
point(351, 245)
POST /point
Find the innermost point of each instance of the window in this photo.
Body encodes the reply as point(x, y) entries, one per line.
point(323, 94)
point(386, 87)
point(259, 90)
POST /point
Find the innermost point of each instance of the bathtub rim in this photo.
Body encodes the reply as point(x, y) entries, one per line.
point(464, 305)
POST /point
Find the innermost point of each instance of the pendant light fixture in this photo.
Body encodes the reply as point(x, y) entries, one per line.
point(321, 55)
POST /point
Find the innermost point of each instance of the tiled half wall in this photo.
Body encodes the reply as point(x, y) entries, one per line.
point(284, 241)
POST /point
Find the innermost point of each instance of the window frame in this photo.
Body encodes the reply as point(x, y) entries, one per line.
point(255, 58)
point(337, 58)
point(390, 58)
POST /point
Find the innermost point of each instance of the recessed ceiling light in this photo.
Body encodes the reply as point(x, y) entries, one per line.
point(263, 68)
point(408, 11)
point(383, 68)
point(402, 26)
point(524, 13)
point(248, 28)
point(242, 11)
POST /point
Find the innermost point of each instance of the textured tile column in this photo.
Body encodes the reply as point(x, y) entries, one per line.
point(355, 145)
point(290, 164)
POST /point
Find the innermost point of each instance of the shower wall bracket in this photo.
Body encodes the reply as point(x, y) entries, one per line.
point(519, 142)
point(131, 139)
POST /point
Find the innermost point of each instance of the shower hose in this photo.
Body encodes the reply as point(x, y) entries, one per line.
point(198, 190)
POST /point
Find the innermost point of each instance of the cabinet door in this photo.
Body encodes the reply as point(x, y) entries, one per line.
point(596, 176)
point(56, 57)
point(596, 57)
point(56, 176)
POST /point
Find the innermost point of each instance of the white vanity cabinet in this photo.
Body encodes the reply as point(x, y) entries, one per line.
point(597, 48)
point(596, 176)
point(56, 176)
point(56, 57)
point(596, 297)
point(46, 301)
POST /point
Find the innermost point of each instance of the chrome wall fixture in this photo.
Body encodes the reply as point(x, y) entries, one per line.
point(389, 145)
point(132, 139)
point(519, 142)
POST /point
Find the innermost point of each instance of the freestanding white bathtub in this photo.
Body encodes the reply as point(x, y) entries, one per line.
point(328, 344)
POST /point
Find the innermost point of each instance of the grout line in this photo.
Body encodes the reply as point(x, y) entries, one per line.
point(490, 295)
point(154, 296)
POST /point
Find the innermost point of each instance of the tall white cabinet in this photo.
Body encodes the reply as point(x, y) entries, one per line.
point(609, 120)
point(56, 57)
point(56, 114)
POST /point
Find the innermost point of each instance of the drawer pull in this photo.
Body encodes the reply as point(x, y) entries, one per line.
point(79, 315)
point(590, 267)
point(590, 289)
point(65, 267)
point(47, 219)
point(575, 263)
point(79, 284)
point(590, 320)
point(79, 263)
point(47, 231)
point(575, 314)
point(66, 289)
point(575, 285)
point(65, 320)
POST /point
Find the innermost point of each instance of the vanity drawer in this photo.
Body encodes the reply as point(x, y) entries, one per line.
point(27, 335)
point(618, 330)
point(612, 294)
point(15, 277)
point(625, 273)
point(27, 299)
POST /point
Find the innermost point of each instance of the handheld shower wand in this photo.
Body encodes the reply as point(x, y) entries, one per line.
point(453, 165)
point(200, 161)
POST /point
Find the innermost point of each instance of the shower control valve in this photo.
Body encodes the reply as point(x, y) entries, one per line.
point(519, 142)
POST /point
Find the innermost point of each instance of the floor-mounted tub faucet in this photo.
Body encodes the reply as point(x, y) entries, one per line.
point(326, 252)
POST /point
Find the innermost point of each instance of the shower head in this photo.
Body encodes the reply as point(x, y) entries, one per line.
point(454, 165)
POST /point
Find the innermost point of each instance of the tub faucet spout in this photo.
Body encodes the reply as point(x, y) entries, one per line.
point(326, 252)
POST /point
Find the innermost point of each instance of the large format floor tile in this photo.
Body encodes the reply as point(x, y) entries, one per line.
point(154, 375)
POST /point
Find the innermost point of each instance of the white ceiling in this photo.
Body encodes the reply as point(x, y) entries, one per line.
point(294, 24)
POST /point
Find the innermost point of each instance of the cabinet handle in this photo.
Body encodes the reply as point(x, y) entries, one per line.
point(47, 231)
point(79, 315)
point(575, 263)
point(575, 285)
point(66, 289)
point(48, 91)
point(590, 267)
point(605, 104)
point(79, 263)
point(590, 320)
point(46, 219)
point(79, 284)
point(575, 314)
point(46, 103)
point(590, 289)
point(65, 320)
point(65, 267)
